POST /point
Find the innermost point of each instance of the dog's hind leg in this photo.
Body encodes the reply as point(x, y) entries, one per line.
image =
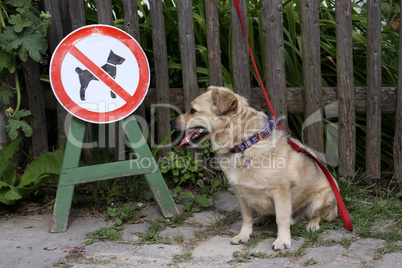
point(247, 227)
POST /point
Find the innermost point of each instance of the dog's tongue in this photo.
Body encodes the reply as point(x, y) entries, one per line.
point(187, 138)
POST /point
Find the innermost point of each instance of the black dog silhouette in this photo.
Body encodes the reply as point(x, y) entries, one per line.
point(110, 67)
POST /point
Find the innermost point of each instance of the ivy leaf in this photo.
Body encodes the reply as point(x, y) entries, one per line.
point(23, 113)
point(26, 42)
point(13, 127)
point(7, 61)
point(20, 22)
point(5, 95)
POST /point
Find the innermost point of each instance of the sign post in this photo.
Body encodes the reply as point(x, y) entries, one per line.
point(100, 75)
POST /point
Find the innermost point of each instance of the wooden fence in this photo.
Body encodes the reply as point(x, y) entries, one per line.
point(372, 100)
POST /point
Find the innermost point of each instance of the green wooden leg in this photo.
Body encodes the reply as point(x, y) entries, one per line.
point(64, 195)
point(154, 180)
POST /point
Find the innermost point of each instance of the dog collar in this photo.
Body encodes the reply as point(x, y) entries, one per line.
point(262, 135)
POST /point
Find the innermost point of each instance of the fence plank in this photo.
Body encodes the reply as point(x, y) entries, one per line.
point(213, 43)
point(56, 35)
point(346, 105)
point(274, 57)
point(37, 107)
point(240, 54)
point(310, 32)
point(373, 133)
point(187, 51)
point(161, 71)
point(398, 118)
point(104, 11)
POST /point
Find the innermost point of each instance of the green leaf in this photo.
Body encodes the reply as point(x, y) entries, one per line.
point(203, 201)
point(4, 184)
point(3, 199)
point(42, 167)
point(23, 113)
point(14, 125)
point(20, 22)
point(6, 153)
point(7, 61)
point(13, 194)
point(24, 43)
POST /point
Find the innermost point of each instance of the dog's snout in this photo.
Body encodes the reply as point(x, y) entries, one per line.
point(173, 123)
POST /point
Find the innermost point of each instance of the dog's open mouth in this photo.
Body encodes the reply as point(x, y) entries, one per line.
point(194, 137)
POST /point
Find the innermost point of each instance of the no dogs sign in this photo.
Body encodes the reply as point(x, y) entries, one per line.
point(99, 74)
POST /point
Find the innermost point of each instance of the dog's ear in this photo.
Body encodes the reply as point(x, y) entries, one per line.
point(224, 101)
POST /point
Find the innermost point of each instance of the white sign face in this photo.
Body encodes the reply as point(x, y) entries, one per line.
point(99, 74)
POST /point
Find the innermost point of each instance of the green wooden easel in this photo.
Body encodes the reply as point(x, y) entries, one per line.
point(71, 174)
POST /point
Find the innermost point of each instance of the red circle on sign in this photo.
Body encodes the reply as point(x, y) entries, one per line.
point(67, 45)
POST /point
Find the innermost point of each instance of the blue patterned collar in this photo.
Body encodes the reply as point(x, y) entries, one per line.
point(262, 135)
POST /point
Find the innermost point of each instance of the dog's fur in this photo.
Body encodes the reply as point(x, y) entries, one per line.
point(278, 182)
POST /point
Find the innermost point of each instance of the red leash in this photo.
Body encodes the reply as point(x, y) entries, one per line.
point(343, 213)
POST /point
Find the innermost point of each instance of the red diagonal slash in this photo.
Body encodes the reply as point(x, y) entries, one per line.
point(100, 73)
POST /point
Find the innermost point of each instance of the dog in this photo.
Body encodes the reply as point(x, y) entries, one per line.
point(267, 175)
point(86, 76)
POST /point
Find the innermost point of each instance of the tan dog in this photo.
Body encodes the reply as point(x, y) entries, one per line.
point(269, 177)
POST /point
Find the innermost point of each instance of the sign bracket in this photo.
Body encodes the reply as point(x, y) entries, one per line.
point(71, 174)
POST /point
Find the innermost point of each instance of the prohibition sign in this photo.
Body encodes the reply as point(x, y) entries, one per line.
point(99, 74)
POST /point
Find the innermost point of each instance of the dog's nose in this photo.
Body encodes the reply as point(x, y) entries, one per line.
point(173, 123)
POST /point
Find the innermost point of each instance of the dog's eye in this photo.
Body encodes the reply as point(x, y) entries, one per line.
point(193, 111)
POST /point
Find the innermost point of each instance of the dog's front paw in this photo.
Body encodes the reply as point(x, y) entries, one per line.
point(240, 239)
point(281, 244)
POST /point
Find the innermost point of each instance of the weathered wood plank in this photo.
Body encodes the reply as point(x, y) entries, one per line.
point(346, 106)
point(310, 32)
point(56, 35)
point(213, 43)
point(161, 71)
point(104, 11)
point(187, 51)
point(398, 118)
point(373, 133)
point(275, 76)
point(132, 27)
point(37, 107)
point(240, 54)
point(294, 98)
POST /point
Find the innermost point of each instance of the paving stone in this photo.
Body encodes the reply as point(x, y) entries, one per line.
point(131, 231)
point(227, 202)
point(157, 252)
point(275, 262)
point(186, 232)
point(325, 256)
point(389, 260)
point(216, 249)
point(338, 235)
point(364, 250)
point(102, 248)
point(151, 212)
point(204, 218)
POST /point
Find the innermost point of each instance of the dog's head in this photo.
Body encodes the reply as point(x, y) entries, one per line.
point(208, 115)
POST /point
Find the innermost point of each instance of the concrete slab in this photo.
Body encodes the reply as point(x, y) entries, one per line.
point(216, 249)
point(26, 241)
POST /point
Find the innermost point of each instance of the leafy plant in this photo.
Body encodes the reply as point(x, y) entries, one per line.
point(23, 31)
point(104, 234)
point(123, 213)
point(39, 171)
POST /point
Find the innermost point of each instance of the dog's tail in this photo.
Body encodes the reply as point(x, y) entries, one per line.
point(78, 70)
